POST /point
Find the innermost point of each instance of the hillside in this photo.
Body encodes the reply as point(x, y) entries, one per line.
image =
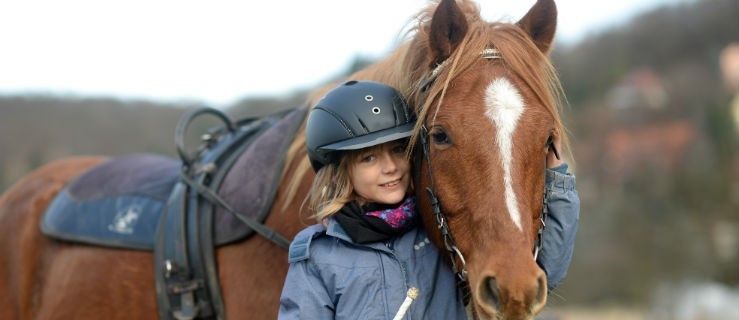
point(656, 151)
point(35, 130)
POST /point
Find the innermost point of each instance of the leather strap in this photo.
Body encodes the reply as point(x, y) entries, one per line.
point(184, 257)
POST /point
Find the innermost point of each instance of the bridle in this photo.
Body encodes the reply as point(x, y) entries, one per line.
point(458, 263)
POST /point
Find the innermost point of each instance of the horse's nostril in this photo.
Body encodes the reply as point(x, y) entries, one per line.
point(490, 293)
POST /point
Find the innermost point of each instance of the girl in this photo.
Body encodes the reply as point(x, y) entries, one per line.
point(356, 262)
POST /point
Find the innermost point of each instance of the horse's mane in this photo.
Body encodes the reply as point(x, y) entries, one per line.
point(405, 67)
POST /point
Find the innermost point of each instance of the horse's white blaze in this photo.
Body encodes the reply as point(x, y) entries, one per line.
point(504, 107)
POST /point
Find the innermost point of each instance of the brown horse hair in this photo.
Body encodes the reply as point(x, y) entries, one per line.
point(404, 69)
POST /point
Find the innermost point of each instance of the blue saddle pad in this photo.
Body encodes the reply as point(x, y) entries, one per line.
point(117, 203)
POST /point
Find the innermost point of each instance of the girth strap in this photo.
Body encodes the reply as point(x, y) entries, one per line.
point(174, 273)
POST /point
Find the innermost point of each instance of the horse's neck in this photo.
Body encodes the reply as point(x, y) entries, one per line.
point(390, 70)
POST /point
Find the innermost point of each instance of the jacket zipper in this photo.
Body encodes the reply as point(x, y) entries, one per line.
point(402, 267)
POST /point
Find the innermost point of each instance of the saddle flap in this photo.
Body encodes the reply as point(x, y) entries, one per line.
point(251, 183)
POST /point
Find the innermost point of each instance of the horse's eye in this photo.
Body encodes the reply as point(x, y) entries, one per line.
point(440, 136)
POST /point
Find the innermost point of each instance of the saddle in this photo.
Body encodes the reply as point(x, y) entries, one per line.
point(175, 208)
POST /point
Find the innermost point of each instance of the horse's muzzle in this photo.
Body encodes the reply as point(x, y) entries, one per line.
point(512, 300)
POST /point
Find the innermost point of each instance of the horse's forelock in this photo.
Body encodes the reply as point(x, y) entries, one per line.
point(519, 54)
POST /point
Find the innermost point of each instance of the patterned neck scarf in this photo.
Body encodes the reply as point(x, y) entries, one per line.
point(376, 222)
point(397, 217)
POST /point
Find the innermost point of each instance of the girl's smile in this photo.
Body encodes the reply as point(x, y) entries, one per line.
point(381, 174)
point(390, 184)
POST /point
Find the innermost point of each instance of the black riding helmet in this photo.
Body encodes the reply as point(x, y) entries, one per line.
point(355, 115)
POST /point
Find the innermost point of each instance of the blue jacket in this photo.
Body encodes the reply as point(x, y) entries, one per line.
point(332, 277)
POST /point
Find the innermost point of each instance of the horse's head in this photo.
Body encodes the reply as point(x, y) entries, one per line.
point(486, 98)
point(488, 110)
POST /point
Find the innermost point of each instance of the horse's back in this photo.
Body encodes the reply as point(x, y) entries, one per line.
point(41, 276)
point(22, 205)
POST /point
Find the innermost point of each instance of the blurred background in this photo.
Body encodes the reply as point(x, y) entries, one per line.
point(653, 114)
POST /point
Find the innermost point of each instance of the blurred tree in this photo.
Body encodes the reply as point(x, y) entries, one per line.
point(643, 222)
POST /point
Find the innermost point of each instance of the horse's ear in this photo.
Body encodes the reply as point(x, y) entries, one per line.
point(540, 23)
point(448, 28)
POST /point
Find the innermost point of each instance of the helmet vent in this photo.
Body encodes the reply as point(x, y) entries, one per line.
point(376, 110)
point(369, 97)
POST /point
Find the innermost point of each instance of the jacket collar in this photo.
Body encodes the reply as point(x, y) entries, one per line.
point(335, 230)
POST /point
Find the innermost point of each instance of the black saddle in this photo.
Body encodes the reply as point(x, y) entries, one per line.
point(176, 207)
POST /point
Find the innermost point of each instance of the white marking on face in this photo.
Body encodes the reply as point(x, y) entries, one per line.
point(505, 106)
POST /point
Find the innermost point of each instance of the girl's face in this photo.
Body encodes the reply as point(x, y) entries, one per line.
point(381, 174)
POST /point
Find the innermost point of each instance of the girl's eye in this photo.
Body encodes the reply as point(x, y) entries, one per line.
point(399, 149)
point(367, 158)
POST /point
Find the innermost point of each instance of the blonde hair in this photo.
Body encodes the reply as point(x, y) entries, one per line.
point(332, 187)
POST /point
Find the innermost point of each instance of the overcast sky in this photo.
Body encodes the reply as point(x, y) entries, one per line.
point(218, 52)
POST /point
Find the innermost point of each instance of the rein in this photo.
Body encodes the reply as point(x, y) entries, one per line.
point(460, 270)
point(459, 265)
point(191, 168)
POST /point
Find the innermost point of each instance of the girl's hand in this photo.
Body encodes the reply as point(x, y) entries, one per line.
point(552, 161)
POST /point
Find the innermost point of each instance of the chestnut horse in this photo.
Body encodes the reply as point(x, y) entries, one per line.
point(487, 99)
